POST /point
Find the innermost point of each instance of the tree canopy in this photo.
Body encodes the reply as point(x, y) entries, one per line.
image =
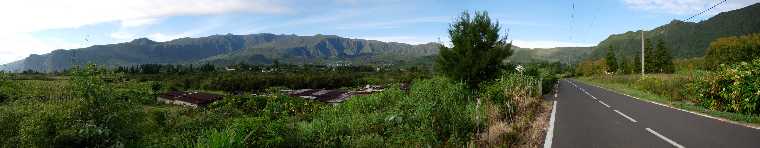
point(733, 49)
point(611, 60)
point(478, 50)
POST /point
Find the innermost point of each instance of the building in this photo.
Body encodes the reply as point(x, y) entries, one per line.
point(191, 99)
point(322, 95)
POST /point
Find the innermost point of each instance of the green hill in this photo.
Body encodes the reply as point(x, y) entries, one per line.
point(229, 49)
point(688, 39)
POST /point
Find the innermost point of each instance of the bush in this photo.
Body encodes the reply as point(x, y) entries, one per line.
point(730, 50)
point(435, 112)
point(734, 88)
point(94, 118)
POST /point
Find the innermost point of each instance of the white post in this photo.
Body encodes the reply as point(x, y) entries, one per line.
point(642, 52)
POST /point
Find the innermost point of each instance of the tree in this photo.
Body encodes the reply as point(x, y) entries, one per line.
point(478, 50)
point(612, 65)
point(650, 60)
point(733, 50)
point(625, 66)
point(637, 63)
point(664, 59)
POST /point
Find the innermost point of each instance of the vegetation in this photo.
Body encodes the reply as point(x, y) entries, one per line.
point(108, 109)
point(730, 50)
point(731, 88)
point(613, 84)
point(263, 48)
point(687, 39)
point(611, 60)
point(478, 50)
point(723, 83)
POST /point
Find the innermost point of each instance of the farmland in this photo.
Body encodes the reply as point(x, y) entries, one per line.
point(434, 112)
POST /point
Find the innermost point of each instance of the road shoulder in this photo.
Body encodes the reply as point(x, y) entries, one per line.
point(716, 115)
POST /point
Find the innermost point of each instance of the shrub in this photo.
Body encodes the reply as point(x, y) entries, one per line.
point(730, 50)
point(734, 88)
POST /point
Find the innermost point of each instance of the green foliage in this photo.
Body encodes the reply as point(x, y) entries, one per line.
point(508, 87)
point(230, 49)
point(663, 61)
point(730, 50)
point(228, 138)
point(636, 63)
point(92, 118)
point(611, 60)
point(733, 88)
point(689, 39)
point(5, 87)
point(478, 50)
point(564, 55)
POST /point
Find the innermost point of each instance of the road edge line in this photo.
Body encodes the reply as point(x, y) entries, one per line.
point(683, 110)
point(550, 132)
point(674, 143)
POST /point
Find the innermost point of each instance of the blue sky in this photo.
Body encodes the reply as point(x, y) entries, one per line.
point(39, 26)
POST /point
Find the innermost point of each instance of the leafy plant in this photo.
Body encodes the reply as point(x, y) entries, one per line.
point(477, 52)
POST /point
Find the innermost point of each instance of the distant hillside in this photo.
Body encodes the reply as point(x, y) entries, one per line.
point(229, 49)
point(566, 55)
point(687, 39)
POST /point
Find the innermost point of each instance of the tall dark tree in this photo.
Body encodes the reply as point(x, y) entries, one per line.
point(650, 58)
point(636, 62)
point(477, 52)
point(664, 59)
point(612, 65)
point(625, 66)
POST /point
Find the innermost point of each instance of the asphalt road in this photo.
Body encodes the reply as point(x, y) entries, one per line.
point(587, 116)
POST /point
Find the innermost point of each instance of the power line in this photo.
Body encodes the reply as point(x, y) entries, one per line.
point(708, 9)
point(572, 17)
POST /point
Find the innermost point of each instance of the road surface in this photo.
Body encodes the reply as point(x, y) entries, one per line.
point(587, 116)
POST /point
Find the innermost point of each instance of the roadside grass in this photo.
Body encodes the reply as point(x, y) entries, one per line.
point(750, 120)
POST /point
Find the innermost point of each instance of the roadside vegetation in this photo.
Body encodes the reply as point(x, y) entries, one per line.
point(487, 103)
point(713, 85)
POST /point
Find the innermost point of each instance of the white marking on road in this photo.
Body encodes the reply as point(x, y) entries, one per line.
point(605, 104)
point(695, 113)
point(626, 116)
point(665, 138)
point(550, 132)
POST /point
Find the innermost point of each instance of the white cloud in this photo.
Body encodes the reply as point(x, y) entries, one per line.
point(401, 39)
point(683, 7)
point(138, 22)
point(547, 44)
point(122, 35)
point(13, 43)
point(395, 23)
point(38, 15)
point(21, 18)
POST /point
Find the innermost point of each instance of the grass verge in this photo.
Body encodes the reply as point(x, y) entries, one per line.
point(748, 120)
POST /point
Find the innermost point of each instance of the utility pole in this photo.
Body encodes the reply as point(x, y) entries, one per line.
point(642, 52)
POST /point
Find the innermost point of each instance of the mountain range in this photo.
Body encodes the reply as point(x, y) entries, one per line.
point(261, 48)
point(684, 39)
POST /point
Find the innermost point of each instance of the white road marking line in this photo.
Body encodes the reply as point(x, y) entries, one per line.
point(550, 132)
point(665, 138)
point(605, 104)
point(695, 113)
point(626, 116)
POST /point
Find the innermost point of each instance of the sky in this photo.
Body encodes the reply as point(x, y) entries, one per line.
point(41, 26)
